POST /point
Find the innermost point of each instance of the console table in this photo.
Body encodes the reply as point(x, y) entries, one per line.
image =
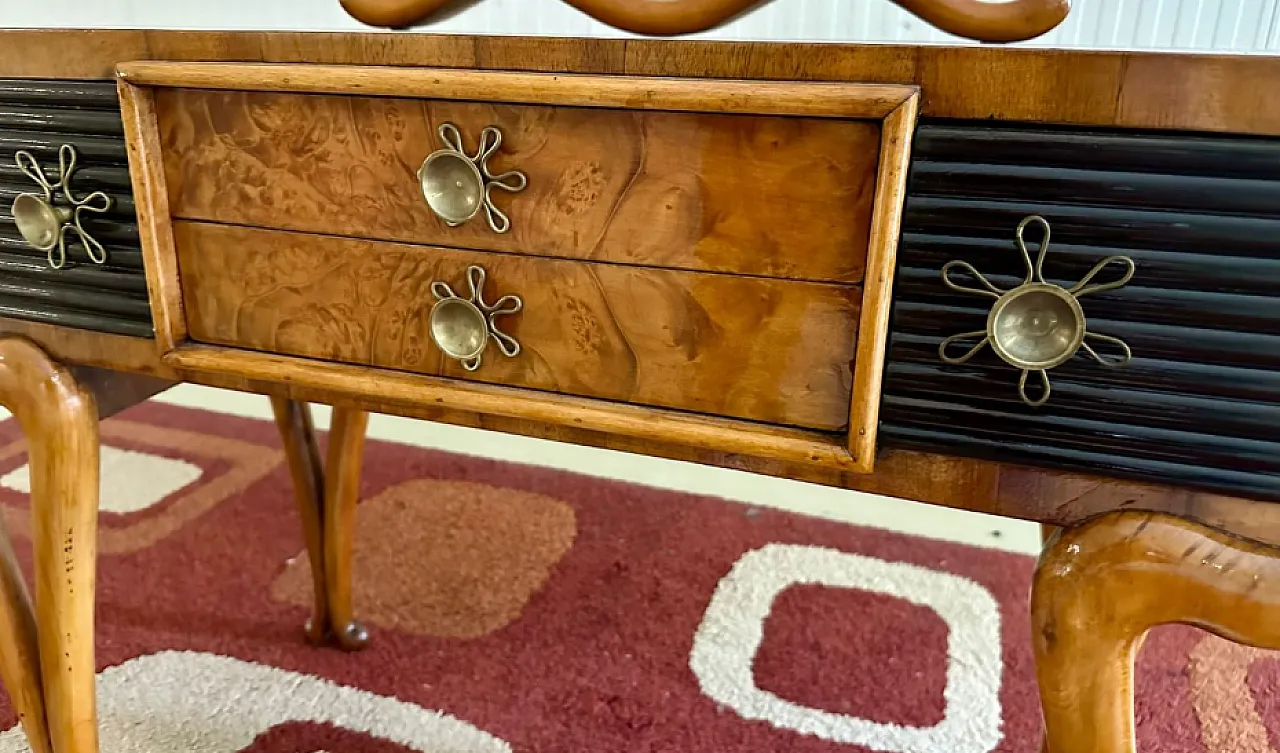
point(1038, 284)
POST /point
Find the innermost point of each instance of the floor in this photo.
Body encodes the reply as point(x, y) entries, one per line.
point(808, 499)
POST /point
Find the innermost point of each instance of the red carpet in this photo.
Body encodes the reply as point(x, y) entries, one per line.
point(522, 609)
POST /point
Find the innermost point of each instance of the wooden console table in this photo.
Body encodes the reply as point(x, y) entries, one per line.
point(730, 254)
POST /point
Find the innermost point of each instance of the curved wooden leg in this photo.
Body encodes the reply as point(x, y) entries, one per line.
point(20, 649)
point(327, 501)
point(60, 421)
point(297, 432)
point(1100, 587)
point(341, 493)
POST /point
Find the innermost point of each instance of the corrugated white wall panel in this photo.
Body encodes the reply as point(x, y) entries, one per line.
point(1199, 25)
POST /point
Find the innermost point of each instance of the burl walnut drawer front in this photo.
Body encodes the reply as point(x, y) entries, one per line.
point(773, 196)
point(748, 347)
point(698, 262)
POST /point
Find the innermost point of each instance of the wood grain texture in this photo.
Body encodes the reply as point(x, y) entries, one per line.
point(402, 393)
point(20, 649)
point(1054, 86)
point(60, 422)
point(1078, 87)
point(771, 196)
point(1099, 588)
point(137, 109)
point(1154, 94)
point(885, 64)
point(744, 347)
point(326, 496)
point(42, 53)
point(302, 451)
point(341, 495)
point(75, 346)
point(976, 19)
point(814, 99)
point(873, 329)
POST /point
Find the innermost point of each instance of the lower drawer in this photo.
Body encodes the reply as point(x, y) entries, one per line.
point(754, 348)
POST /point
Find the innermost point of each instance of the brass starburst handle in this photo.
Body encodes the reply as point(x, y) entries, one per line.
point(1037, 325)
point(457, 186)
point(43, 222)
point(463, 327)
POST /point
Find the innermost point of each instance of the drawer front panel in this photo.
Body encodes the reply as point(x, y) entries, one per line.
point(768, 350)
point(783, 197)
point(39, 117)
point(1200, 216)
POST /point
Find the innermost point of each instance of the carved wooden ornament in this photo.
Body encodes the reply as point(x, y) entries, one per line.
point(985, 21)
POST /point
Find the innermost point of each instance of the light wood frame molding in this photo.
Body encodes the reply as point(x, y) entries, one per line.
point(894, 105)
point(397, 391)
point(155, 229)
point(728, 96)
point(877, 288)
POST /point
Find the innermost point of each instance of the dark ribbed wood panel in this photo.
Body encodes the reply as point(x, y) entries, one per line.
point(1200, 403)
point(39, 116)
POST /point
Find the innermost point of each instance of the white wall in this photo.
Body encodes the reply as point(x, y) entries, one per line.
point(1225, 25)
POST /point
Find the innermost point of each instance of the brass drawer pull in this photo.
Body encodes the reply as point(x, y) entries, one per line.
point(462, 327)
point(456, 185)
point(1037, 325)
point(44, 223)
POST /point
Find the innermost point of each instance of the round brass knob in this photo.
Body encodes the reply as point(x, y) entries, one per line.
point(43, 223)
point(1036, 325)
point(462, 327)
point(453, 186)
point(39, 222)
point(457, 186)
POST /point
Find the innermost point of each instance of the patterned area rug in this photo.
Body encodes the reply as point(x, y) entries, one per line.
point(523, 609)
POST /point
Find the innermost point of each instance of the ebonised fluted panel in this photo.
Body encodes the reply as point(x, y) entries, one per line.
point(39, 116)
point(1200, 215)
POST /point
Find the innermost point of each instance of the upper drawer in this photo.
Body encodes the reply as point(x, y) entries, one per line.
point(774, 196)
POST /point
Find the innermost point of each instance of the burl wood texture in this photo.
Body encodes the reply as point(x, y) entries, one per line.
point(768, 350)
point(1099, 588)
point(770, 196)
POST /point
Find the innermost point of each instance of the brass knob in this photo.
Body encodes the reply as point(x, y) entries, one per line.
point(43, 223)
point(1037, 325)
point(462, 327)
point(457, 186)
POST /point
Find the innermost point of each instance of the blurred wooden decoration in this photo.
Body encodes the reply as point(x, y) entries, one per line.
point(982, 20)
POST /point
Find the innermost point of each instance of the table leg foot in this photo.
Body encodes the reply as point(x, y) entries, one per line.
point(326, 499)
point(1101, 586)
